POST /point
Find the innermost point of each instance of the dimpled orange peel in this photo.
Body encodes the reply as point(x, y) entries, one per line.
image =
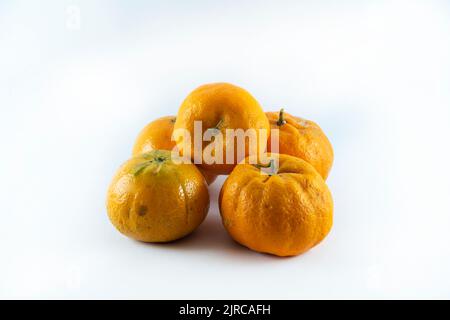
point(303, 139)
point(284, 212)
point(218, 107)
point(153, 199)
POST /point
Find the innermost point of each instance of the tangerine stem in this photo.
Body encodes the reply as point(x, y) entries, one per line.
point(281, 120)
point(270, 165)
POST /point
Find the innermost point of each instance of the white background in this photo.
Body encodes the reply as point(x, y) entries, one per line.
point(74, 93)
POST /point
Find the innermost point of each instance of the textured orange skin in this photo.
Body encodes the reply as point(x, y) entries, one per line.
point(157, 135)
point(229, 105)
point(164, 202)
point(284, 214)
point(303, 139)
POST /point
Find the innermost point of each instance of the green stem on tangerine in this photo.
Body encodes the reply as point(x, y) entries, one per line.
point(270, 165)
point(158, 161)
point(137, 170)
point(281, 120)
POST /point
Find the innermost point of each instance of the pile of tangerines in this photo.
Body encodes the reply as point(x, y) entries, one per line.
point(280, 206)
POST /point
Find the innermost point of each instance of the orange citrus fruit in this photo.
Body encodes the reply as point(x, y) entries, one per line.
point(303, 139)
point(284, 212)
point(153, 199)
point(157, 135)
point(221, 108)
